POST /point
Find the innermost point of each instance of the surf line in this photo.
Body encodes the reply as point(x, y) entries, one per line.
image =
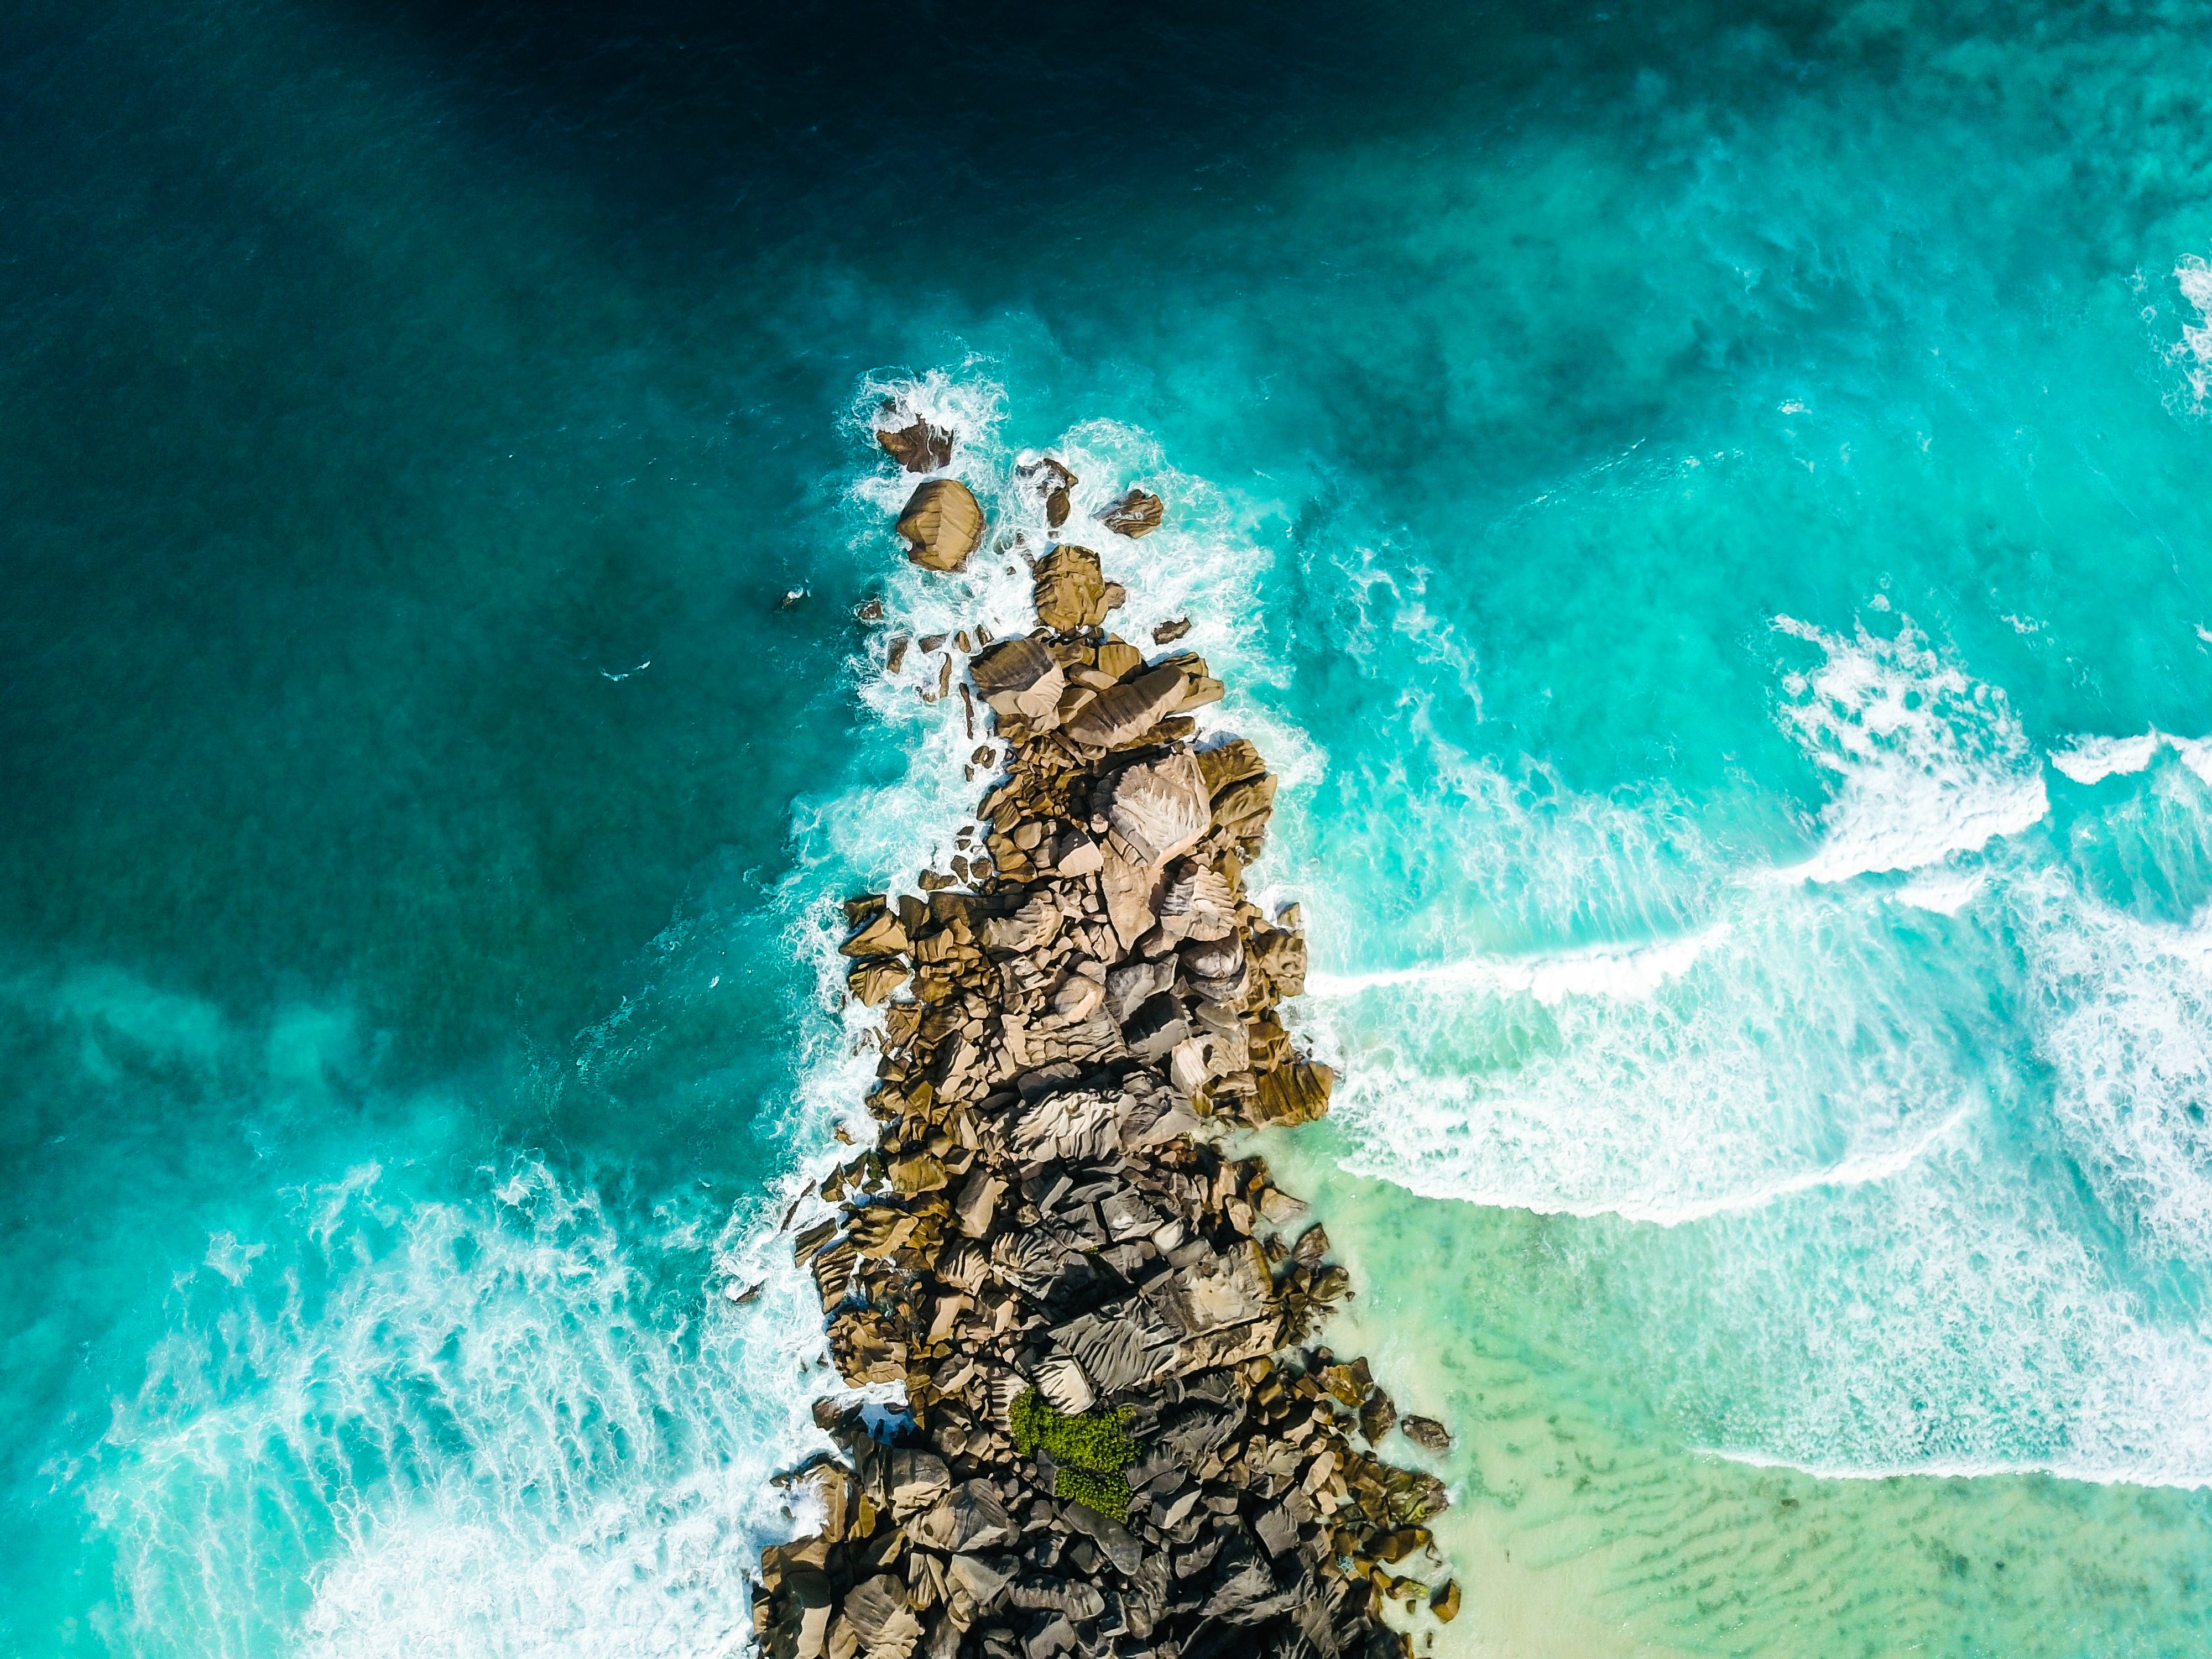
point(1119, 1438)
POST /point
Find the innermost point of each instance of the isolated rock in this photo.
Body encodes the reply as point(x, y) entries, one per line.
point(920, 448)
point(942, 524)
point(1137, 513)
point(1426, 1432)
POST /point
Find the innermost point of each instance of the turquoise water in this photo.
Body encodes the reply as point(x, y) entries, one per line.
point(1709, 511)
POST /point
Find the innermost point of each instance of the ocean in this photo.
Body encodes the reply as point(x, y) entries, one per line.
point(1707, 508)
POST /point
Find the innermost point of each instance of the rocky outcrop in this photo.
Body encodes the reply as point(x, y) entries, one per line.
point(942, 524)
point(1121, 1436)
point(920, 448)
point(1052, 483)
point(1137, 513)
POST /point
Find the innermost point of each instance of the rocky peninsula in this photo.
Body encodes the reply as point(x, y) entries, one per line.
point(1120, 1435)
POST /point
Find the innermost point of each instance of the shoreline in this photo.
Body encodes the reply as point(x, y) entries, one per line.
point(1120, 1435)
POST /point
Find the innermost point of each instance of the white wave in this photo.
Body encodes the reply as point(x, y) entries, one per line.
point(1862, 1168)
point(2094, 759)
point(1928, 761)
point(1625, 973)
point(1944, 894)
point(1947, 1322)
point(2193, 275)
point(2122, 1012)
point(500, 1426)
point(1786, 1048)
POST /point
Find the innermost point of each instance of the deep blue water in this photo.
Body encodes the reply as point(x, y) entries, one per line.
point(1708, 508)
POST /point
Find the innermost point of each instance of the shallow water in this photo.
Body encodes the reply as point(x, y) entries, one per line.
point(1707, 511)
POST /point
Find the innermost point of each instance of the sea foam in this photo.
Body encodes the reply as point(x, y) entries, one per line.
point(1927, 760)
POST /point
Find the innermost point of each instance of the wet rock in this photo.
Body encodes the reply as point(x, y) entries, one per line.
point(880, 937)
point(942, 524)
point(1168, 633)
point(876, 979)
point(1137, 513)
point(1293, 1094)
point(1052, 482)
point(1443, 1601)
point(919, 447)
point(1426, 1432)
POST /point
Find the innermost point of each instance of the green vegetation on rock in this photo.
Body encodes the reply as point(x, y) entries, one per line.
point(1088, 1452)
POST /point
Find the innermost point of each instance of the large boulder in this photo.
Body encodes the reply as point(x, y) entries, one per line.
point(1297, 1093)
point(1156, 810)
point(971, 1517)
point(879, 1615)
point(942, 524)
point(802, 1630)
point(1070, 593)
point(1122, 712)
point(1019, 680)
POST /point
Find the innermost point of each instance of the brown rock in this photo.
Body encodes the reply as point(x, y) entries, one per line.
point(942, 524)
point(1118, 659)
point(1293, 1094)
point(1169, 632)
point(920, 447)
point(1020, 681)
point(1157, 810)
point(881, 937)
point(1232, 763)
point(1052, 481)
point(1137, 513)
point(876, 980)
point(1443, 1601)
point(1123, 712)
point(1376, 1416)
point(1069, 592)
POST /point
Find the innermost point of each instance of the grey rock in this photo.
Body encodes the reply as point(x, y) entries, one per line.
point(1080, 1602)
point(1154, 1030)
point(1133, 983)
point(1110, 1536)
point(1427, 1432)
point(981, 1576)
point(1277, 1530)
point(1056, 1638)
